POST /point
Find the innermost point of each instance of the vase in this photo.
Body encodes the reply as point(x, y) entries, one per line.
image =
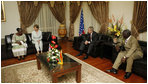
point(115, 40)
point(62, 31)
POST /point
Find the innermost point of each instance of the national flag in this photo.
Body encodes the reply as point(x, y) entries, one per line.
point(49, 47)
point(61, 58)
point(81, 28)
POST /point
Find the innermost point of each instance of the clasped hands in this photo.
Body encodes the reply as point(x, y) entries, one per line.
point(123, 59)
point(86, 42)
point(38, 41)
point(18, 42)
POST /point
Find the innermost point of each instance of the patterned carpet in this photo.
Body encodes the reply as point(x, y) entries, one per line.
point(27, 72)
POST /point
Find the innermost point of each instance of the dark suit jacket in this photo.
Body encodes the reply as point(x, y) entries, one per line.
point(94, 37)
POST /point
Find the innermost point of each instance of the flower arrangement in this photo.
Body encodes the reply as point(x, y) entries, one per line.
point(54, 55)
point(115, 27)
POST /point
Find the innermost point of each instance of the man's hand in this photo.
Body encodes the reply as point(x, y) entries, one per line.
point(123, 59)
point(86, 42)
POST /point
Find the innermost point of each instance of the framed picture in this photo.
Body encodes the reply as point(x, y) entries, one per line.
point(3, 16)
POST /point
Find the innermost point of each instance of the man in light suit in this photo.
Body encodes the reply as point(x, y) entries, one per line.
point(89, 41)
point(131, 51)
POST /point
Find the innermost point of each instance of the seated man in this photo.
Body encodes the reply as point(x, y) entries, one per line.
point(129, 53)
point(91, 38)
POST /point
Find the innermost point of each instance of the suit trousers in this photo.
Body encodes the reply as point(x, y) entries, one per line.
point(38, 46)
point(135, 55)
point(83, 46)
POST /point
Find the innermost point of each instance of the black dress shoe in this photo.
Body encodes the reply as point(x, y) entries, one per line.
point(19, 59)
point(112, 70)
point(23, 58)
point(127, 75)
point(79, 54)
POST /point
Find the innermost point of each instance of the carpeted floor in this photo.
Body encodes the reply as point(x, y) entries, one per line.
point(27, 72)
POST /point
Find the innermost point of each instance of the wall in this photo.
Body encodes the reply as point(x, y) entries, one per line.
point(122, 8)
point(143, 36)
point(12, 18)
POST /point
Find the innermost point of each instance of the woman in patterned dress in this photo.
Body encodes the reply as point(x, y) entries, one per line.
point(19, 44)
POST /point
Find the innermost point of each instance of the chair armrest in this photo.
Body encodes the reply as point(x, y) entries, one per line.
point(8, 47)
point(100, 42)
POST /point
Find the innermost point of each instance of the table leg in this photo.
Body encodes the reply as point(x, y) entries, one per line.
point(54, 79)
point(78, 75)
point(38, 64)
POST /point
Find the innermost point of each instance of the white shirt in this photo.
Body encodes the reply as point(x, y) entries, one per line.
point(36, 35)
point(127, 39)
point(91, 37)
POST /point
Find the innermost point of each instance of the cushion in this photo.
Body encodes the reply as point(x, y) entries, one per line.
point(28, 37)
point(46, 36)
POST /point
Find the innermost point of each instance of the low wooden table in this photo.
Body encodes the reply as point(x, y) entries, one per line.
point(69, 65)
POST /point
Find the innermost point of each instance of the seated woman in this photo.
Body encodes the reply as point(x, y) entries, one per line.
point(19, 44)
point(37, 38)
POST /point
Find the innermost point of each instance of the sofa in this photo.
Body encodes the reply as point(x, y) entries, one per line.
point(46, 38)
point(104, 47)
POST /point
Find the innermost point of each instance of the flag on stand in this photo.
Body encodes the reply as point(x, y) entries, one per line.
point(81, 28)
point(49, 47)
point(61, 58)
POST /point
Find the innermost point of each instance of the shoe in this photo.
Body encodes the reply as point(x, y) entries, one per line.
point(127, 75)
point(112, 70)
point(85, 57)
point(79, 54)
point(23, 57)
point(19, 59)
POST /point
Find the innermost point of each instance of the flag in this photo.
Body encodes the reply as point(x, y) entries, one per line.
point(61, 58)
point(49, 47)
point(81, 28)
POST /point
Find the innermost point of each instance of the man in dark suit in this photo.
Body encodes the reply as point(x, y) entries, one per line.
point(89, 41)
point(128, 54)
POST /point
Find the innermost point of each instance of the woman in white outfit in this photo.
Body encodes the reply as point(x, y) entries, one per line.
point(37, 38)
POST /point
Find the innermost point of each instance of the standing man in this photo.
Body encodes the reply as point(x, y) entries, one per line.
point(91, 38)
point(131, 51)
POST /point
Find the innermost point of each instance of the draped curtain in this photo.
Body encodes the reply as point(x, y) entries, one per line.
point(139, 22)
point(58, 10)
point(100, 10)
point(74, 12)
point(28, 13)
point(46, 21)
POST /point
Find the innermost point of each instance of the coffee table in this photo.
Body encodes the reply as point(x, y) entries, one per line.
point(69, 65)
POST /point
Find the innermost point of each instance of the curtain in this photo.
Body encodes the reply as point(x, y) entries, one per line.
point(28, 13)
point(74, 12)
point(46, 21)
point(100, 10)
point(58, 10)
point(139, 21)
